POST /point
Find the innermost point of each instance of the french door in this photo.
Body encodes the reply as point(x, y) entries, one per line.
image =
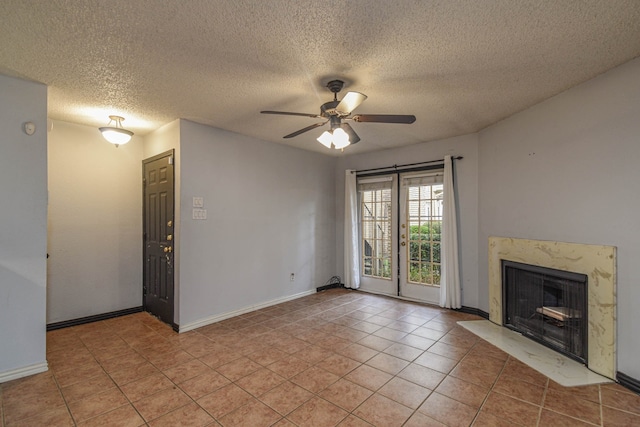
point(400, 233)
point(378, 210)
point(421, 204)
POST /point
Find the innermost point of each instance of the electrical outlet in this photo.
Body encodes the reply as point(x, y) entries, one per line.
point(292, 277)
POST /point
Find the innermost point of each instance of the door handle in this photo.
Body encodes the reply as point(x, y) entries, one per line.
point(168, 249)
point(401, 244)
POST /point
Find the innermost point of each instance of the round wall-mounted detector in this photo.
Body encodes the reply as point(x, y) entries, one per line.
point(29, 128)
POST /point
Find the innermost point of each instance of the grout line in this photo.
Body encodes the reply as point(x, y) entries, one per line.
point(601, 409)
point(544, 397)
point(64, 399)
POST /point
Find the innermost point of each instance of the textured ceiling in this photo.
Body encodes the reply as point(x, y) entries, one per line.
point(457, 65)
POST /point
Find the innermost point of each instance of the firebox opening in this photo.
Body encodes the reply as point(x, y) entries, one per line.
point(547, 305)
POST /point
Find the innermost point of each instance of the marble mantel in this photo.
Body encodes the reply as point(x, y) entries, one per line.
point(596, 261)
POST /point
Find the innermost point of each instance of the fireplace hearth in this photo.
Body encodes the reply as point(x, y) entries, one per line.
point(547, 305)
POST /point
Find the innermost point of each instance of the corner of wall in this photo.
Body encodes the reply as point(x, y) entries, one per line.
point(23, 235)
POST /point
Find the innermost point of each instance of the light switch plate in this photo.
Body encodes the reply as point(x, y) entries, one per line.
point(199, 214)
point(198, 202)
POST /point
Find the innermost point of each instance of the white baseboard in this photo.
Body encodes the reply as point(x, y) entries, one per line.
point(25, 371)
point(213, 319)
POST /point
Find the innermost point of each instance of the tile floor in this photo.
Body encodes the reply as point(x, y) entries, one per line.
point(336, 358)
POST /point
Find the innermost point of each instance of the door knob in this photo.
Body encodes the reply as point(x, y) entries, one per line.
point(402, 244)
point(168, 249)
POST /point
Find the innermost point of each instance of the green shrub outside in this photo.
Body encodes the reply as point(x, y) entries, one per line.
point(424, 247)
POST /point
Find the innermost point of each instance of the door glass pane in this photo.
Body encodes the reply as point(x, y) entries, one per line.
point(375, 216)
point(366, 266)
point(436, 252)
point(424, 217)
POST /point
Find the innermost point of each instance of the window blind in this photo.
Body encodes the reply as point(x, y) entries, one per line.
point(413, 181)
point(370, 184)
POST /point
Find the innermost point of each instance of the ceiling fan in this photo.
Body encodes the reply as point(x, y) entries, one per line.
point(335, 112)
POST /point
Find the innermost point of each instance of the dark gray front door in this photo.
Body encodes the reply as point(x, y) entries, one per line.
point(158, 236)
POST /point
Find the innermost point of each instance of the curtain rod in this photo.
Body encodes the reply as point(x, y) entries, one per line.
point(407, 165)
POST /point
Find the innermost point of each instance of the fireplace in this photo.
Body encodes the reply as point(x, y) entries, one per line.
point(597, 262)
point(546, 305)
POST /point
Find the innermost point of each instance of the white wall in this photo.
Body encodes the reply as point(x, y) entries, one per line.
point(95, 223)
point(270, 213)
point(466, 184)
point(568, 169)
point(157, 142)
point(23, 234)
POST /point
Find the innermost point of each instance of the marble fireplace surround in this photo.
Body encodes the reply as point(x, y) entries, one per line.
point(597, 262)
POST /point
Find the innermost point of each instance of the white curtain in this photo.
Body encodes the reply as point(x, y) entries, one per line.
point(351, 246)
point(450, 274)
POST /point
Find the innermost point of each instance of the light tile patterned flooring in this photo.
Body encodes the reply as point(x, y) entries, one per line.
point(338, 357)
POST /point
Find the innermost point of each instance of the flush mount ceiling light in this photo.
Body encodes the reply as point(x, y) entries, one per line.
point(117, 135)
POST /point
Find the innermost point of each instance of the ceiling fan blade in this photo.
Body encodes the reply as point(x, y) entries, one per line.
point(384, 118)
point(303, 130)
point(353, 136)
point(350, 102)
point(287, 113)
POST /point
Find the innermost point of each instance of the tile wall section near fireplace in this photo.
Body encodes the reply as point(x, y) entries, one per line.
point(596, 261)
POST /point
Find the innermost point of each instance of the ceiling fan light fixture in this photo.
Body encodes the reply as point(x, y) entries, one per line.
point(340, 139)
point(353, 136)
point(117, 135)
point(337, 138)
point(326, 139)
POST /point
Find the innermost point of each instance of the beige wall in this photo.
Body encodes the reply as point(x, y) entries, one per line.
point(95, 223)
